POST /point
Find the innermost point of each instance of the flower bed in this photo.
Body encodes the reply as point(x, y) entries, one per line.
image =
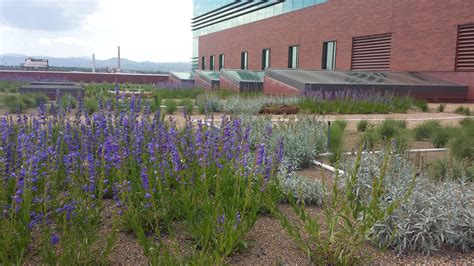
point(57, 172)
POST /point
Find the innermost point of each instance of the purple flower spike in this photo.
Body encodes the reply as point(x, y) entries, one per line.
point(260, 155)
point(54, 239)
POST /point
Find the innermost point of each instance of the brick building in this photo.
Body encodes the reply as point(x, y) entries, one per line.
point(433, 37)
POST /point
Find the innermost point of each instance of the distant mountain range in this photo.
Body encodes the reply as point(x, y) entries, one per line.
point(86, 62)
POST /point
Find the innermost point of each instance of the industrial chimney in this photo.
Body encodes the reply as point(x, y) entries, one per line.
point(118, 66)
point(93, 63)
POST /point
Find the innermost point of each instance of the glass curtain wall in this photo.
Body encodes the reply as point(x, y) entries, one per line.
point(216, 15)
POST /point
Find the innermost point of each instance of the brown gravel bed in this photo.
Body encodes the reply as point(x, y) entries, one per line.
point(126, 249)
point(271, 246)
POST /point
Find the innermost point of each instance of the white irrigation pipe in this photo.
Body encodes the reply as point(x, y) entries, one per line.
point(383, 119)
point(407, 119)
point(328, 167)
point(326, 154)
point(333, 170)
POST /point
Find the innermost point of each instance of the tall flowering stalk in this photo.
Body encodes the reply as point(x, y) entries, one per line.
point(59, 170)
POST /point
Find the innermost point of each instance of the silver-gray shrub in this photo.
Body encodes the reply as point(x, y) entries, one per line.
point(208, 103)
point(434, 216)
point(303, 137)
point(253, 105)
point(301, 188)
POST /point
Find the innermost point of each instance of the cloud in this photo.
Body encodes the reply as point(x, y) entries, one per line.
point(146, 30)
point(48, 15)
point(60, 41)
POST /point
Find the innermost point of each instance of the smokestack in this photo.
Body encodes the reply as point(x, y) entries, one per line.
point(93, 63)
point(118, 66)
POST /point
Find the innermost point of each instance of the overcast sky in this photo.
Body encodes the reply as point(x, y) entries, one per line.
point(153, 30)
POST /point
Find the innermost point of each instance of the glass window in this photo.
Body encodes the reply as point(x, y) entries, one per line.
point(287, 6)
point(265, 58)
point(269, 12)
point(203, 63)
point(253, 16)
point(293, 56)
point(246, 18)
point(211, 63)
point(195, 47)
point(329, 55)
point(277, 9)
point(244, 60)
point(261, 14)
point(280, 7)
point(297, 4)
point(221, 61)
point(307, 3)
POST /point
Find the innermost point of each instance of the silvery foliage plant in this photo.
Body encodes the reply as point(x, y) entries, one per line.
point(253, 105)
point(208, 103)
point(301, 188)
point(302, 139)
point(435, 215)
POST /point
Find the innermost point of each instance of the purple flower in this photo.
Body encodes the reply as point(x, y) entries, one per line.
point(145, 181)
point(221, 219)
point(54, 239)
point(260, 154)
point(237, 220)
point(280, 151)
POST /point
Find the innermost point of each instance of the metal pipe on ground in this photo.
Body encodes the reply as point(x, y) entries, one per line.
point(328, 167)
point(326, 154)
point(383, 119)
point(333, 170)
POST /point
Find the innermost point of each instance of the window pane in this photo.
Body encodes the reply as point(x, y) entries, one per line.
point(329, 55)
point(221, 61)
point(330, 58)
point(297, 4)
point(244, 60)
point(287, 6)
point(211, 63)
point(277, 9)
point(294, 57)
point(308, 3)
point(265, 58)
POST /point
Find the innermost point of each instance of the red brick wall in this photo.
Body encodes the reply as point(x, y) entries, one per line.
point(201, 83)
point(466, 78)
point(424, 33)
point(173, 80)
point(85, 77)
point(274, 87)
point(226, 84)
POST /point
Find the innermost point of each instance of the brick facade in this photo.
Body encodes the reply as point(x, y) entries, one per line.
point(424, 34)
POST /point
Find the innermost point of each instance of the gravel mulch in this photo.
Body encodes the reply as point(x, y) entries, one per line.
point(271, 246)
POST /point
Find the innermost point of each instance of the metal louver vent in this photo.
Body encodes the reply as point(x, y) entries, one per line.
point(371, 53)
point(465, 49)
